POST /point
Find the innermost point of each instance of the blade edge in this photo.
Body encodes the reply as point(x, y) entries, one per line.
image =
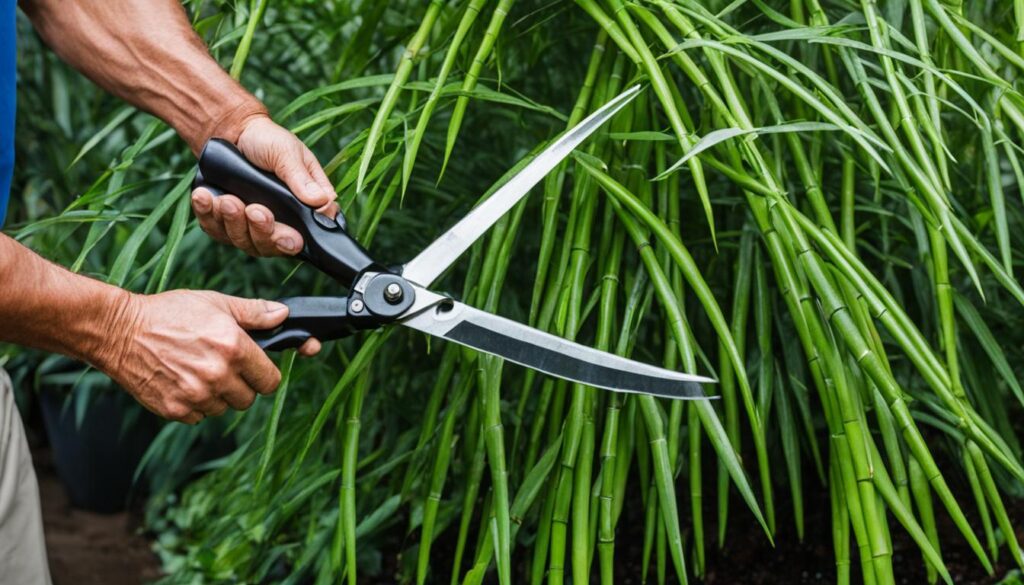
point(433, 260)
point(546, 353)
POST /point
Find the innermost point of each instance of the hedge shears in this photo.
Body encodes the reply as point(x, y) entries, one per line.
point(380, 296)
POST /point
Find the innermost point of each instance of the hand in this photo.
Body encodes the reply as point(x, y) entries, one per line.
point(252, 228)
point(186, 355)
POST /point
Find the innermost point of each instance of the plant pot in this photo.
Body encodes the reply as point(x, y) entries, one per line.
point(96, 454)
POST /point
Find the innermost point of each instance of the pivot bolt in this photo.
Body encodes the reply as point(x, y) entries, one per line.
point(393, 293)
point(356, 306)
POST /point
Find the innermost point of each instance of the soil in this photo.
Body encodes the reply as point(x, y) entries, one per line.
point(87, 548)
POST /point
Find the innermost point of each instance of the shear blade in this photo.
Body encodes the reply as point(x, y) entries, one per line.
point(445, 250)
point(546, 353)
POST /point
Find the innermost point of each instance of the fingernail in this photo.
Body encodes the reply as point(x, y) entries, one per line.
point(256, 215)
point(202, 204)
point(229, 208)
point(288, 245)
point(274, 307)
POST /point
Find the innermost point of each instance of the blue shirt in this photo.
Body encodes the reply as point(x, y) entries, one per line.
point(8, 89)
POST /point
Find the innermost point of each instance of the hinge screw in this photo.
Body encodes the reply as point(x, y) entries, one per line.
point(393, 293)
point(356, 306)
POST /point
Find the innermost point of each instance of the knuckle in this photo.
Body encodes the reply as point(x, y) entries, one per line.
point(236, 348)
point(213, 372)
point(197, 393)
point(176, 411)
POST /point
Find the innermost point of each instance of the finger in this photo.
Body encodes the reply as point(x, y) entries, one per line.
point(254, 314)
point(261, 229)
point(318, 174)
point(202, 206)
point(287, 239)
point(237, 393)
point(192, 418)
point(213, 406)
point(310, 348)
point(330, 210)
point(293, 169)
point(237, 227)
point(257, 370)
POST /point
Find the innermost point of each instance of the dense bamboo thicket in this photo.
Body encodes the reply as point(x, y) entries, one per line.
point(817, 202)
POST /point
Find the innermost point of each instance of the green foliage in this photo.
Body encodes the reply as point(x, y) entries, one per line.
point(820, 206)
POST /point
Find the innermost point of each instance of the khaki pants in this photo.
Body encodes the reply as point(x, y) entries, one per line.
point(22, 548)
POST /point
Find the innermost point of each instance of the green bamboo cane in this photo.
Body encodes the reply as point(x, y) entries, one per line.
point(394, 90)
point(696, 281)
point(554, 181)
point(445, 373)
point(740, 305)
point(679, 348)
point(604, 518)
point(840, 524)
point(960, 40)
point(541, 547)
point(917, 350)
point(848, 226)
point(469, 17)
point(979, 498)
point(471, 491)
point(438, 474)
point(879, 39)
point(856, 512)
point(696, 489)
point(870, 363)
point(347, 514)
point(660, 85)
point(923, 499)
point(581, 513)
point(532, 485)
point(995, 501)
point(791, 455)
point(577, 451)
point(893, 449)
point(469, 82)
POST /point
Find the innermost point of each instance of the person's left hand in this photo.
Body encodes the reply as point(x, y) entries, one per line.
point(252, 228)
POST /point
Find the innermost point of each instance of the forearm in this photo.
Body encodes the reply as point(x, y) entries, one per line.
point(47, 307)
point(146, 52)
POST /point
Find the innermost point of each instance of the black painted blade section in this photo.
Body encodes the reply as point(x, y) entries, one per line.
point(568, 367)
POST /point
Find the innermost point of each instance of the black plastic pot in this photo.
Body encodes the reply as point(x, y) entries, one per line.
point(96, 460)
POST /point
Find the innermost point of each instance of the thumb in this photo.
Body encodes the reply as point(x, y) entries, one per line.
point(256, 314)
point(291, 167)
point(277, 150)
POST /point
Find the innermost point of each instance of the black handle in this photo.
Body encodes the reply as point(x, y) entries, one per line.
point(223, 169)
point(324, 318)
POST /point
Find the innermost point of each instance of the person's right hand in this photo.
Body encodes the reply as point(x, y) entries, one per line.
point(186, 355)
point(251, 228)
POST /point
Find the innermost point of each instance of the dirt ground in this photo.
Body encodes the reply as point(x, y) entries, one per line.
point(87, 548)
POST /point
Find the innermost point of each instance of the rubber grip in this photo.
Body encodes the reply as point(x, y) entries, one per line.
point(325, 318)
point(223, 169)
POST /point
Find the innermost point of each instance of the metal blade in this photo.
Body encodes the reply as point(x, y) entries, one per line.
point(546, 353)
point(445, 250)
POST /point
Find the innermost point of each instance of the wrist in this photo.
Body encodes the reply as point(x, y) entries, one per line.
point(229, 121)
point(111, 330)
